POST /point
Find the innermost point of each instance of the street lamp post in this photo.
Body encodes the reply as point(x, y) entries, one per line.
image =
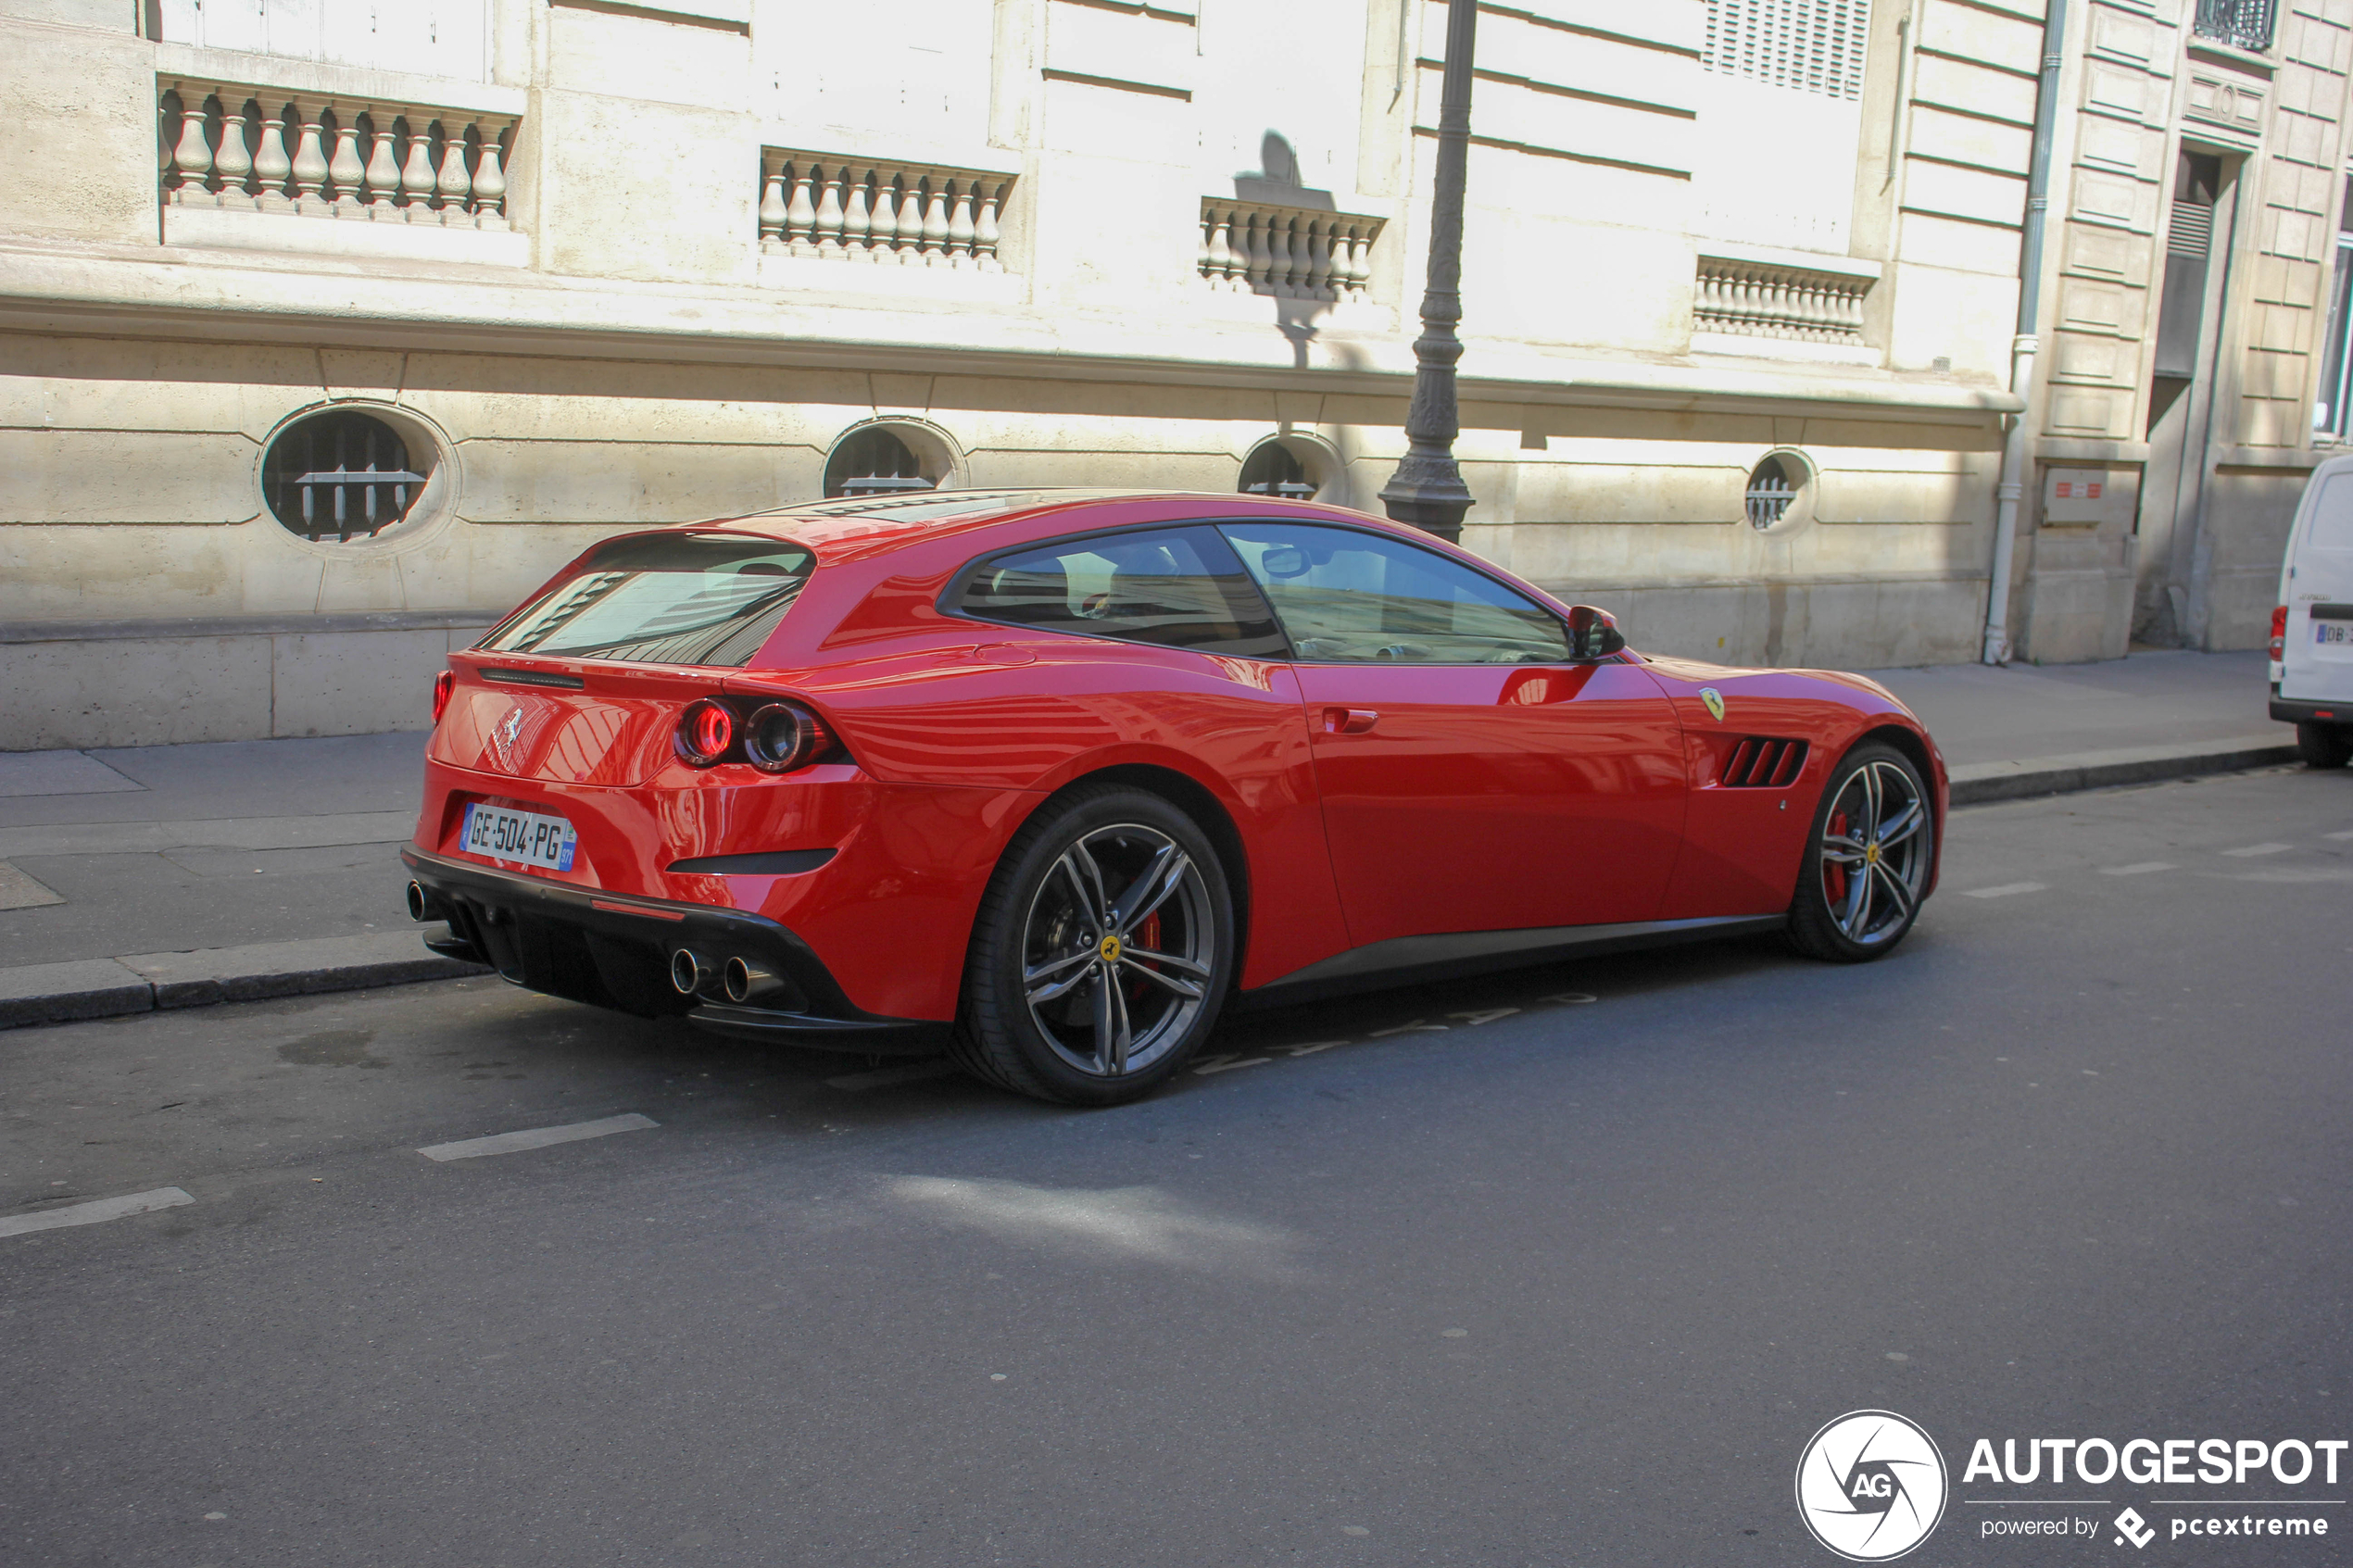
point(1428, 489)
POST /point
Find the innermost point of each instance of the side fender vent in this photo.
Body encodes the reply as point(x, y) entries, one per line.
point(1762, 762)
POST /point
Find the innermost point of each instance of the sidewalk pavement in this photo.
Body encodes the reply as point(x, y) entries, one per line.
point(172, 876)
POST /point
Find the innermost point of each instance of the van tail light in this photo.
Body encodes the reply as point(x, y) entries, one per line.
point(2279, 633)
point(706, 731)
point(446, 683)
point(784, 735)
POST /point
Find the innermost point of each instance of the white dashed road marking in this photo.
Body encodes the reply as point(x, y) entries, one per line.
point(536, 1137)
point(2339, 836)
point(92, 1213)
point(2006, 890)
point(2259, 850)
point(1228, 1063)
point(2139, 868)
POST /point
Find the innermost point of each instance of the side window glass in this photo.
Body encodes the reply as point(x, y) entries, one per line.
point(1179, 588)
point(1347, 597)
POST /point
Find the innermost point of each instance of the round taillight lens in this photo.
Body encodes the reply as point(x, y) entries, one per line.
point(705, 732)
point(443, 686)
point(783, 737)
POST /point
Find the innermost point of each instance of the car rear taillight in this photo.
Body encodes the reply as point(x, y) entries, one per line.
point(783, 737)
point(446, 683)
point(705, 732)
point(2279, 633)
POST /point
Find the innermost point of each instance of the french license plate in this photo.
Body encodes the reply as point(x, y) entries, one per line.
point(525, 838)
point(2327, 631)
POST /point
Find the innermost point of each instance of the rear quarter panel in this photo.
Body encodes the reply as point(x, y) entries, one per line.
point(1031, 713)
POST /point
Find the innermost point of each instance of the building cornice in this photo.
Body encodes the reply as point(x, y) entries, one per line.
point(232, 297)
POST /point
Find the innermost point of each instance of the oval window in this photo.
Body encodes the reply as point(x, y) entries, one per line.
point(340, 476)
point(875, 461)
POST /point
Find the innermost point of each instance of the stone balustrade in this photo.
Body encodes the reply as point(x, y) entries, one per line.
point(1756, 300)
point(1288, 252)
point(256, 149)
point(896, 215)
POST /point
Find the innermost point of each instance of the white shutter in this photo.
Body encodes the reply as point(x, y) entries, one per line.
point(419, 37)
point(1811, 45)
point(215, 24)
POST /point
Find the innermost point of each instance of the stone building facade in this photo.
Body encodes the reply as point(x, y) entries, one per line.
point(329, 329)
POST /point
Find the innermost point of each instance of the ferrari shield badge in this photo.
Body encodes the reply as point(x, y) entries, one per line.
point(1715, 700)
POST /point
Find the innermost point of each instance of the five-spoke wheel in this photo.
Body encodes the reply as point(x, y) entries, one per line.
point(1103, 953)
point(1867, 866)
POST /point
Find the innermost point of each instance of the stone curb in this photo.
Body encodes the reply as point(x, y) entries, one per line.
point(61, 993)
point(1980, 782)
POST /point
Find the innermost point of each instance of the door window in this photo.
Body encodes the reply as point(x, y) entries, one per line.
point(1351, 597)
point(1177, 587)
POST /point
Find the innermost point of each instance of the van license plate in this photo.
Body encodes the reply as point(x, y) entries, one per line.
point(524, 838)
point(2327, 631)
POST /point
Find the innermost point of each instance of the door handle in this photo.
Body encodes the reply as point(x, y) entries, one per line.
point(1349, 721)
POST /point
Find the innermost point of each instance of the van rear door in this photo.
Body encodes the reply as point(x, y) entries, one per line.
point(2316, 654)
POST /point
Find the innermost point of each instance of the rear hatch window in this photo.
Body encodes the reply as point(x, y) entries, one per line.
point(664, 599)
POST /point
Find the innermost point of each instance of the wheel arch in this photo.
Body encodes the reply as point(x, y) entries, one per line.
point(1922, 756)
point(1198, 801)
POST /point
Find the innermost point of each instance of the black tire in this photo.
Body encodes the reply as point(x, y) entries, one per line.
point(2325, 745)
point(1836, 914)
point(1101, 872)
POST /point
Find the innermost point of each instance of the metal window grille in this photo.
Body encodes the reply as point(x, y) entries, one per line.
point(1812, 45)
point(1769, 493)
point(2246, 23)
point(875, 462)
point(2332, 410)
point(340, 476)
point(1275, 470)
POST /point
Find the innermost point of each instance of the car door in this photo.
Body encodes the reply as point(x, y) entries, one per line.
point(1141, 643)
point(1474, 775)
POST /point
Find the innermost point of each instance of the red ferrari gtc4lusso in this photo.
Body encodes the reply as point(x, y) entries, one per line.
point(1045, 778)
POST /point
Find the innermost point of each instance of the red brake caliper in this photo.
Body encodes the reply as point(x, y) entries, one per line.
point(1834, 874)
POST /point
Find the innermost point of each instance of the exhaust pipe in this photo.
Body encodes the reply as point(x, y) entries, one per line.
point(747, 982)
point(423, 905)
point(691, 973)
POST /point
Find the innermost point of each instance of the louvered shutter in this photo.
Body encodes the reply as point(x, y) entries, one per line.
point(1811, 45)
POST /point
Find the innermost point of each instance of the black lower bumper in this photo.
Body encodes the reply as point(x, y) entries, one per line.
point(2295, 710)
point(613, 950)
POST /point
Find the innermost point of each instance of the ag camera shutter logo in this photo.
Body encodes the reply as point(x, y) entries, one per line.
point(1871, 1486)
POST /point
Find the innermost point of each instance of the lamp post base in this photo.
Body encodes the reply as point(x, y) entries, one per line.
point(1432, 501)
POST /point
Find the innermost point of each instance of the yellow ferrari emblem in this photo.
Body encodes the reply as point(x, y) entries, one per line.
point(1870, 854)
point(1715, 700)
point(1109, 949)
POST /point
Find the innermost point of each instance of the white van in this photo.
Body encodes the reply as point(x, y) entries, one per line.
point(2313, 628)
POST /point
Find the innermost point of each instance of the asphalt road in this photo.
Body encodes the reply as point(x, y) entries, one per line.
point(1507, 1276)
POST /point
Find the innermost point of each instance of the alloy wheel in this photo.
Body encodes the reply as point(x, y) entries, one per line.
point(1116, 949)
point(1874, 853)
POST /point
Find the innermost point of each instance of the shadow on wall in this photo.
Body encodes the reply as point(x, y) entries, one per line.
point(1276, 183)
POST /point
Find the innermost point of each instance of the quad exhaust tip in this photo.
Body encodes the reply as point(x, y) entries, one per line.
point(748, 983)
point(691, 973)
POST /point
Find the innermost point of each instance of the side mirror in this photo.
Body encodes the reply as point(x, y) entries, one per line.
point(1593, 634)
